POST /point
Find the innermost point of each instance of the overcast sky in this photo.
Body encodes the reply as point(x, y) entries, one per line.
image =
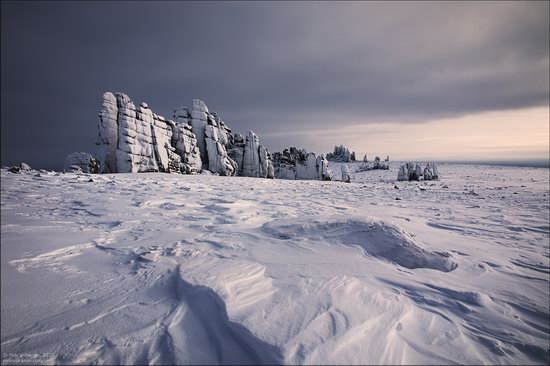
point(412, 80)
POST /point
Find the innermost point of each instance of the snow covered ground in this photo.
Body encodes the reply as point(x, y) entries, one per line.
point(158, 268)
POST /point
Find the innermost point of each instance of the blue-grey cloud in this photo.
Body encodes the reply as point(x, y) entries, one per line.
point(263, 66)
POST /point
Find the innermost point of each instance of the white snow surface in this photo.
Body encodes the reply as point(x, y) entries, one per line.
point(159, 268)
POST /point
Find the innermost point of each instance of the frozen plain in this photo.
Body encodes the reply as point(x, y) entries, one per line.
point(158, 268)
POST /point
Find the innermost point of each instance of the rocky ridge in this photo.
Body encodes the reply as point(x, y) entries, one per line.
point(134, 139)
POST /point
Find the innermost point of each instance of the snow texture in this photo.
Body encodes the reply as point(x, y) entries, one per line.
point(203, 269)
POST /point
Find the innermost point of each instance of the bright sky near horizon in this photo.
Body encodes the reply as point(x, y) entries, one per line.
point(520, 134)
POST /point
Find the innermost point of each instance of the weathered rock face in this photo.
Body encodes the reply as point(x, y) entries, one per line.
point(185, 143)
point(324, 172)
point(409, 171)
point(376, 164)
point(346, 175)
point(137, 140)
point(299, 164)
point(403, 173)
point(218, 160)
point(255, 158)
point(341, 154)
point(108, 134)
point(430, 172)
point(86, 162)
point(23, 167)
point(236, 152)
point(199, 121)
point(252, 159)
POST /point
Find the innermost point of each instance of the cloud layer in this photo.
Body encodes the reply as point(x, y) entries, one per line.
point(270, 67)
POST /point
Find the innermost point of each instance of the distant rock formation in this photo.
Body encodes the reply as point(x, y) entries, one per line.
point(412, 171)
point(430, 172)
point(137, 140)
point(299, 164)
point(346, 176)
point(22, 167)
point(83, 161)
point(134, 139)
point(376, 164)
point(341, 155)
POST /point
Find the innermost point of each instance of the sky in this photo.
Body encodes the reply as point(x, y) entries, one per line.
point(412, 80)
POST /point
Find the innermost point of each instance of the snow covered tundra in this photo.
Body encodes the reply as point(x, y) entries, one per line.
point(201, 269)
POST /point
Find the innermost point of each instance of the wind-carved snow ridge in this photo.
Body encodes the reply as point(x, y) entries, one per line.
point(198, 310)
point(376, 238)
point(200, 269)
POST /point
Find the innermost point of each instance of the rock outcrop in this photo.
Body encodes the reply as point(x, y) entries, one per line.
point(430, 172)
point(409, 171)
point(108, 134)
point(127, 137)
point(253, 159)
point(86, 162)
point(341, 155)
point(376, 164)
point(22, 167)
point(185, 143)
point(137, 140)
point(212, 138)
point(346, 176)
point(218, 160)
point(299, 164)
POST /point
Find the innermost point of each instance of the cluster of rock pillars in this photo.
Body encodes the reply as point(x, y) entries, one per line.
point(134, 139)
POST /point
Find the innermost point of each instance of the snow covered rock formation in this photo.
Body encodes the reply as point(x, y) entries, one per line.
point(86, 162)
point(377, 164)
point(412, 171)
point(137, 140)
point(341, 154)
point(430, 172)
point(346, 176)
point(299, 164)
point(21, 167)
point(133, 139)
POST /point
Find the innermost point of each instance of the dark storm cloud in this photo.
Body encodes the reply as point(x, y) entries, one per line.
point(265, 66)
